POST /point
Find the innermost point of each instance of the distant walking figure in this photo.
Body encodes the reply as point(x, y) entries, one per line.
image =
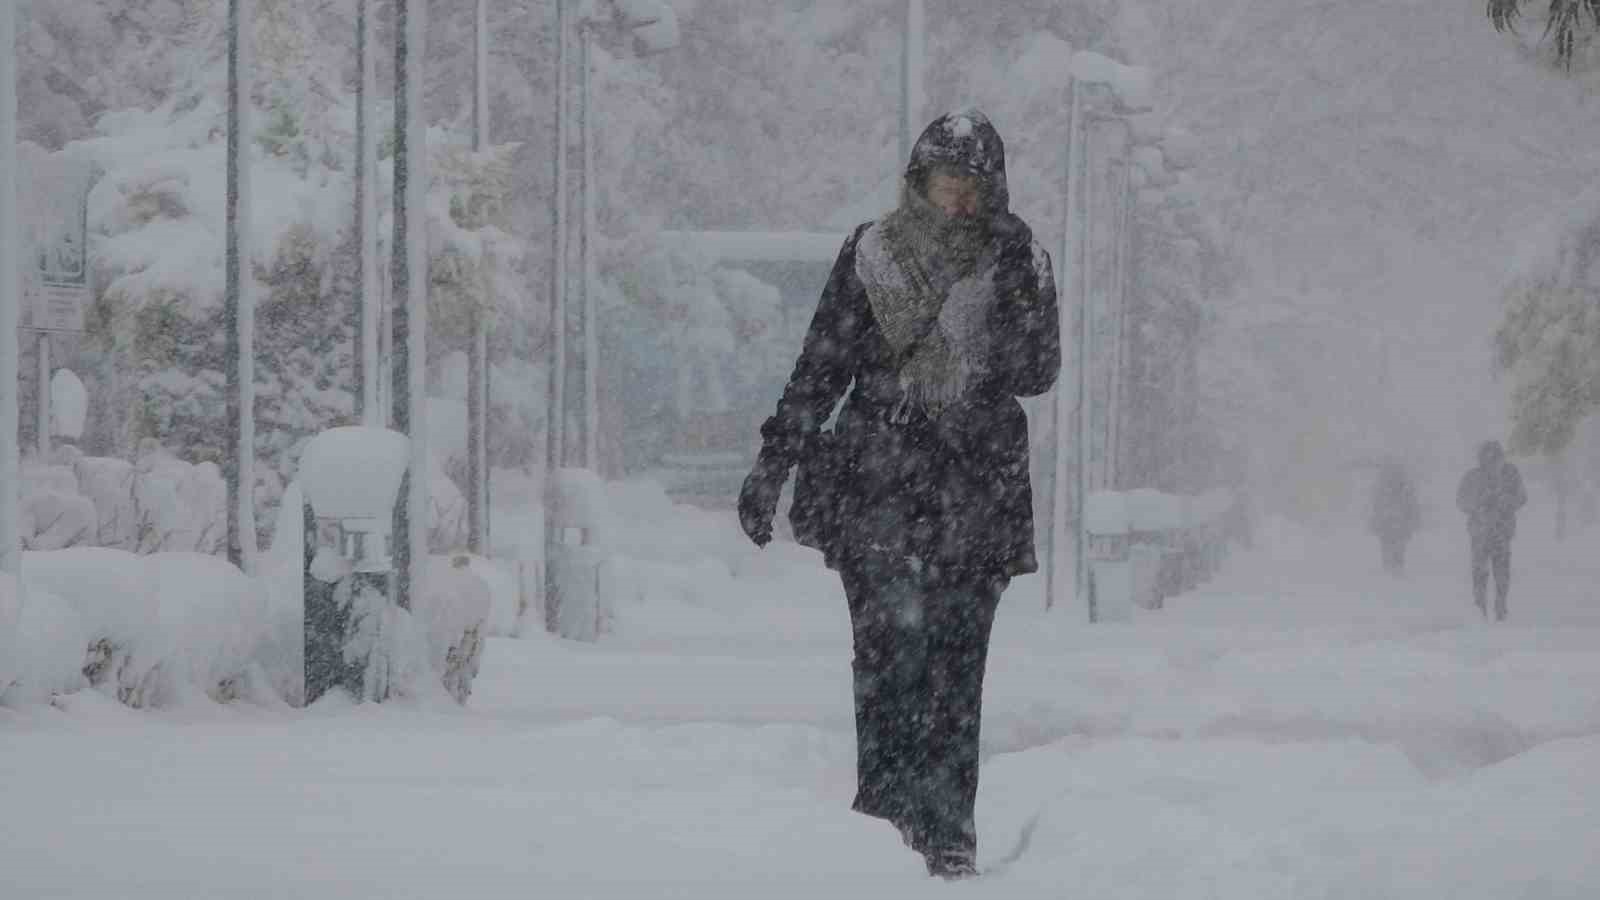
point(941, 314)
point(1396, 515)
point(1490, 495)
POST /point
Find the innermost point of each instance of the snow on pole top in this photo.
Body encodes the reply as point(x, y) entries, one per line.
point(354, 472)
point(1132, 84)
point(69, 404)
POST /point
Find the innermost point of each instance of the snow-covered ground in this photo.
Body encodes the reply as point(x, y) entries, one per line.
point(1304, 727)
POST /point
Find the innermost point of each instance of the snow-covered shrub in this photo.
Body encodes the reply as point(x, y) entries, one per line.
point(281, 654)
point(154, 627)
point(178, 507)
point(53, 514)
point(211, 620)
point(451, 613)
point(10, 619)
point(107, 590)
point(159, 503)
point(108, 484)
point(499, 579)
point(43, 645)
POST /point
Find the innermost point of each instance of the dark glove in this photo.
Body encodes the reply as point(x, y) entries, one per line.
point(758, 499)
point(1014, 267)
point(1012, 234)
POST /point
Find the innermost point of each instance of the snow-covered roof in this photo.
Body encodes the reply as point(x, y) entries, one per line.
point(761, 246)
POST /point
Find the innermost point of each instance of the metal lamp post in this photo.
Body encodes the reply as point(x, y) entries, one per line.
point(409, 264)
point(654, 28)
point(239, 297)
point(368, 409)
point(10, 296)
point(478, 356)
point(1098, 136)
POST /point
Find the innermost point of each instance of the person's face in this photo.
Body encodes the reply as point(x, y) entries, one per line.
point(955, 195)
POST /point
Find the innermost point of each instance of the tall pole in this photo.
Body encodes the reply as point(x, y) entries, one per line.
point(478, 355)
point(368, 407)
point(10, 295)
point(42, 408)
point(1067, 479)
point(591, 342)
point(411, 292)
point(555, 452)
point(911, 68)
point(555, 416)
point(1122, 191)
point(1086, 324)
point(239, 298)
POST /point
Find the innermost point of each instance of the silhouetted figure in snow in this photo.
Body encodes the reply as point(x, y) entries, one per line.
point(1490, 495)
point(1396, 514)
point(941, 313)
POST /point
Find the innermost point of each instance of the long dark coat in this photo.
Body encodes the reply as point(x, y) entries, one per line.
point(952, 494)
point(1490, 495)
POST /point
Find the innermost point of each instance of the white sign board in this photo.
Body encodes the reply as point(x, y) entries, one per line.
point(54, 200)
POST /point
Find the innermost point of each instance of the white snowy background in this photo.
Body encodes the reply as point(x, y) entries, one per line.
point(1380, 177)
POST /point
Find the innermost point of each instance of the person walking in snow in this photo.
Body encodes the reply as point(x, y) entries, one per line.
point(936, 317)
point(1396, 514)
point(1490, 495)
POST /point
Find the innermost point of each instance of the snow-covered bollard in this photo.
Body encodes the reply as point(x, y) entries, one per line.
point(1110, 575)
point(351, 478)
point(1153, 517)
point(581, 519)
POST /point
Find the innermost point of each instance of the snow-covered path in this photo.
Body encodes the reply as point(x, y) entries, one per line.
point(1303, 727)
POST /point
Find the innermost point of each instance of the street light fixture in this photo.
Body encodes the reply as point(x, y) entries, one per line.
point(1095, 101)
point(654, 28)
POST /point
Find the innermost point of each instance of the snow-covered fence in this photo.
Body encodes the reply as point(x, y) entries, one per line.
point(1145, 546)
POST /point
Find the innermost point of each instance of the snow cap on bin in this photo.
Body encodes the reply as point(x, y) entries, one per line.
point(354, 472)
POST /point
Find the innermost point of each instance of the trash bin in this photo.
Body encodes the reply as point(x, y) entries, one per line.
point(351, 478)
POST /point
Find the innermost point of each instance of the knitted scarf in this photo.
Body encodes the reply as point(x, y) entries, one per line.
point(930, 282)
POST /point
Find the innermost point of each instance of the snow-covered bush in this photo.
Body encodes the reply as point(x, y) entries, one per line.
point(452, 613)
point(53, 514)
point(212, 619)
point(43, 644)
point(107, 591)
point(159, 503)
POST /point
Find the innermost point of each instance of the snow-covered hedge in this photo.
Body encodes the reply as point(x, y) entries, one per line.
point(156, 503)
point(161, 629)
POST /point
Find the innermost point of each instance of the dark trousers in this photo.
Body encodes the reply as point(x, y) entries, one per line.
point(1491, 552)
point(920, 649)
point(1394, 552)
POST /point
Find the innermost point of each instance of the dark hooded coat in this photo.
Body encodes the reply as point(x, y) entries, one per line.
point(1491, 494)
point(947, 493)
point(1396, 513)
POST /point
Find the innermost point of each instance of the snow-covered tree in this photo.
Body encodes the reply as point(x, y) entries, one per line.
point(1569, 25)
point(1549, 341)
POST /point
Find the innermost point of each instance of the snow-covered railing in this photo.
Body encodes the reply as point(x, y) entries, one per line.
point(1145, 546)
